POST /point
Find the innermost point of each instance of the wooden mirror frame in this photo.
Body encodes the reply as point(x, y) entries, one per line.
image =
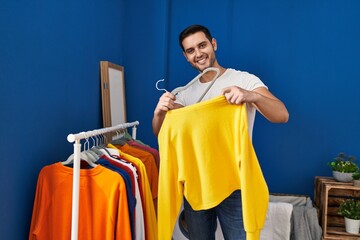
point(113, 94)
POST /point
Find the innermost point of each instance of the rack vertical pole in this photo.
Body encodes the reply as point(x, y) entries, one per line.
point(133, 133)
point(75, 192)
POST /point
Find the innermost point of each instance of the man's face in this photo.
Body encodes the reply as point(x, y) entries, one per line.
point(199, 51)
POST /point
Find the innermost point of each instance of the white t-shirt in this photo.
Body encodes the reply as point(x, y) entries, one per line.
point(231, 77)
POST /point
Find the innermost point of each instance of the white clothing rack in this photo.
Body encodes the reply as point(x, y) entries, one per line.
point(76, 166)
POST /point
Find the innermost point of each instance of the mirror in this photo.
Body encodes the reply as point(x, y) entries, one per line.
point(113, 94)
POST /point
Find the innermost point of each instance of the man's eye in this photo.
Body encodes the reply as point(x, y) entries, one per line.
point(203, 45)
point(190, 51)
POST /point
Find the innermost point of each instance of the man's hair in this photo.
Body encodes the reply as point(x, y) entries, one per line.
point(191, 30)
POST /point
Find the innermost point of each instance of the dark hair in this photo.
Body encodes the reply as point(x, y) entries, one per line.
point(191, 30)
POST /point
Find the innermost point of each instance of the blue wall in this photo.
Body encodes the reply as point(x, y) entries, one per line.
point(305, 51)
point(49, 87)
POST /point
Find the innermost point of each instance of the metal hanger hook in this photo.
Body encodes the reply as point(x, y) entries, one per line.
point(86, 144)
point(157, 87)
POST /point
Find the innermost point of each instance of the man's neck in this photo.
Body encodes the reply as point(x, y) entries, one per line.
point(209, 76)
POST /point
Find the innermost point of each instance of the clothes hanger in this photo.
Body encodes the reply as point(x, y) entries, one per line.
point(107, 151)
point(120, 138)
point(101, 150)
point(84, 155)
point(95, 147)
point(92, 156)
point(178, 89)
point(94, 151)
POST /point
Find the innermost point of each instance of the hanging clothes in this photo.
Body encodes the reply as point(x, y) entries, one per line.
point(147, 148)
point(116, 200)
point(149, 162)
point(103, 212)
point(132, 171)
point(129, 190)
point(151, 231)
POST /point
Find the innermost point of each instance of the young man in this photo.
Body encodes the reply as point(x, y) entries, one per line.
point(239, 88)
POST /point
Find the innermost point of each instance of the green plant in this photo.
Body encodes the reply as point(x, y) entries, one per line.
point(356, 176)
point(350, 208)
point(343, 163)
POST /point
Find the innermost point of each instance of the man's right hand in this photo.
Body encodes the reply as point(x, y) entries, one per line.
point(166, 103)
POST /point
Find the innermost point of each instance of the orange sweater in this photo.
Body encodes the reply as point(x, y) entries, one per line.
point(103, 207)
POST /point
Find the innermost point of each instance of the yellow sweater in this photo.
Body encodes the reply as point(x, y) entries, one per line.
point(206, 153)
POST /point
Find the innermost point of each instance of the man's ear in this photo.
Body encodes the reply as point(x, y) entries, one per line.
point(214, 44)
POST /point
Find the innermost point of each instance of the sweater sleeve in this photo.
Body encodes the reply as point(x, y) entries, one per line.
point(36, 213)
point(170, 193)
point(254, 190)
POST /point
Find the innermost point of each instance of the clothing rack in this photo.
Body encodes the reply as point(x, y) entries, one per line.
point(76, 166)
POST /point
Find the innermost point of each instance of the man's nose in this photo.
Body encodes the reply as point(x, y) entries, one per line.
point(198, 53)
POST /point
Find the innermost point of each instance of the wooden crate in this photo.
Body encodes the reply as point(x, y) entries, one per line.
point(319, 183)
point(319, 190)
point(329, 193)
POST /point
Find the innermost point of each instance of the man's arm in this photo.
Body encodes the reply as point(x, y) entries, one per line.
point(265, 102)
